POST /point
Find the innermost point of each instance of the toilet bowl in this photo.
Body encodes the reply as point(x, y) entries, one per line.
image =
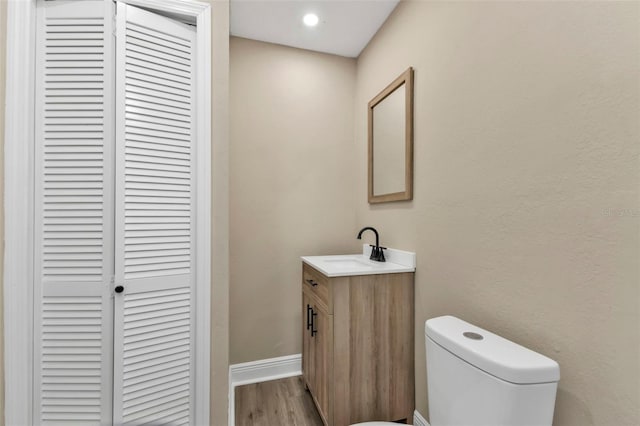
point(475, 377)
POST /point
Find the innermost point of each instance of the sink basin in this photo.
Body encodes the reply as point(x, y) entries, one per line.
point(359, 264)
point(348, 262)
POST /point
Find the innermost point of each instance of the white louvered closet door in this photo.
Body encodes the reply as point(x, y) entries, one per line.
point(73, 214)
point(154, 315)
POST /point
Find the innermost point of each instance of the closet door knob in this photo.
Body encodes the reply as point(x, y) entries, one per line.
point(119, 289)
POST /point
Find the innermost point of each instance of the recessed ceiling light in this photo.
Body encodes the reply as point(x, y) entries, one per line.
point(310, 19)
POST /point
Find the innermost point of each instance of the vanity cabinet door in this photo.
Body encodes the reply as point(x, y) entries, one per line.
point(322, 343)
point(308, 356)
point(317, 353)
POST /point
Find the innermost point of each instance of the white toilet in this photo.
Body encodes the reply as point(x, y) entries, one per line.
point(476, 378)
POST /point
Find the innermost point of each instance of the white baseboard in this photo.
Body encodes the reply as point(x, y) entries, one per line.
point(418, 420)
point(258, 371)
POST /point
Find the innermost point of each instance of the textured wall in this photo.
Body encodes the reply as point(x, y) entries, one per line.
point(220, 212)
point(526, 211)
point(291, 191)
point(3, 43)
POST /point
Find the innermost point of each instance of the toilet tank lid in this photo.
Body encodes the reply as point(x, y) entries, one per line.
point(491, 353)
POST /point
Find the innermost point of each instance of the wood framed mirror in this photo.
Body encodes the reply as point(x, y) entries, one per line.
point(391, 141)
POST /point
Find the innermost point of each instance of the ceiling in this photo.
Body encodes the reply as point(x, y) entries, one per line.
point(345, 26)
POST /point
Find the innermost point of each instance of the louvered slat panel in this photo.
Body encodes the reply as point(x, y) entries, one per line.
point(158, 37)
point(155, 161)
point(71, 358)
point(151, 103)
point(146, 395)
point(143, 374)
point(85, 160)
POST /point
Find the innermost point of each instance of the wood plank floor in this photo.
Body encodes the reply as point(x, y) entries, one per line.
point(281, 402)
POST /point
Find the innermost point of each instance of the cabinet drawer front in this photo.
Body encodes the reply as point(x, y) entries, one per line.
point(317, 283)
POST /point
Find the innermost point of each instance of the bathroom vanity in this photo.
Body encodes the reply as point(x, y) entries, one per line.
point(358, 334)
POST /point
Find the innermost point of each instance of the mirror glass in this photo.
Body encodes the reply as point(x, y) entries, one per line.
point(388, 144)
point(391, 142)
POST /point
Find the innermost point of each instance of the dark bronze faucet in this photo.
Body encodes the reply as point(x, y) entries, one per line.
point(377, 252)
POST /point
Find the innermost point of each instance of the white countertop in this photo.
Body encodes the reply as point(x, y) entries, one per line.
point(397, 261)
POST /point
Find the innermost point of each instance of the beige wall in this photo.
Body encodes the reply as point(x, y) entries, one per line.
point(220, 212)
point(291, 185)
point(3, 43)
point(526, 135)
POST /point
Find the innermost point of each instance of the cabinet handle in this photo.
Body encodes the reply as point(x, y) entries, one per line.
point(312, 282)
point(314, 331)
point(309, 310)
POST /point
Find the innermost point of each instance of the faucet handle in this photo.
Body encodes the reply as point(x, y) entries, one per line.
point(374, 252)
point(377, 253)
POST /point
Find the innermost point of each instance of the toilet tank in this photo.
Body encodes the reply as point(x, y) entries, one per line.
point(477, 378)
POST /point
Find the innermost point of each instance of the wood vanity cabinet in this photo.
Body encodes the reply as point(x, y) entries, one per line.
point(357, 346)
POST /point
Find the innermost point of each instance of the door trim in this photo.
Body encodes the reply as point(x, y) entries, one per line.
point(18, 203)
point(19, 193)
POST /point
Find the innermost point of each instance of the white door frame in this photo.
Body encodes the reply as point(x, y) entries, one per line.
point(19, 193)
